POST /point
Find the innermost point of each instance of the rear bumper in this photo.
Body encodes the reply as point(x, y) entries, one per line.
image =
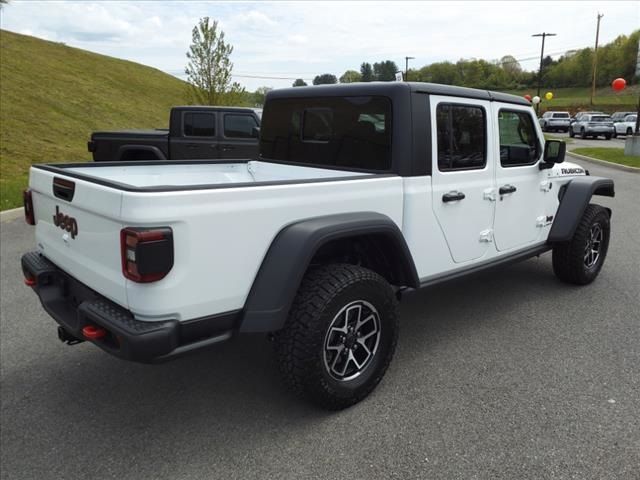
point(74, 306)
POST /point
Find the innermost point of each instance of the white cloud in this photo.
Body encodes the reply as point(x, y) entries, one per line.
point(303, 39)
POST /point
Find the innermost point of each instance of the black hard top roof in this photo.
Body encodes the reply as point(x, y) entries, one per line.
point(392, 89)
point(213, 107)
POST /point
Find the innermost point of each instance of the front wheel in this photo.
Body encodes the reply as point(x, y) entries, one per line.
point(340, 335)
point(579, 261)
point(583, 133)
point(629, 132)
point(607, 136)
point(571, 132)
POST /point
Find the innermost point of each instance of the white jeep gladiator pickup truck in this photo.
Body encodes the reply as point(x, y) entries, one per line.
point(361, 191)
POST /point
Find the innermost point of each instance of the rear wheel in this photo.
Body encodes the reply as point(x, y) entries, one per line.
point(340, 335)
point(579, 261)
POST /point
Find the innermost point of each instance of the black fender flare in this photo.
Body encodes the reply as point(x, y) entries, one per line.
point(291, 252)
point(574, 198)
point(147, 148)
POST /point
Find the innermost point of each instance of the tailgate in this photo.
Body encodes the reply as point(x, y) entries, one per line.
point(89, 248)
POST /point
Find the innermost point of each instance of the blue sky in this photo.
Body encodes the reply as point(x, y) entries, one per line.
point(303, 39)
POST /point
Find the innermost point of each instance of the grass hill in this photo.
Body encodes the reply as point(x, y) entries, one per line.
point(53, 96)
point(574, 99)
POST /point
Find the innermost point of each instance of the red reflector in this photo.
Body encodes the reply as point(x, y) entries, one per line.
point(93, 333)
point(29, 216)
point(30, 282)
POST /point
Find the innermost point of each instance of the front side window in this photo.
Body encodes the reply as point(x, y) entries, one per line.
point(198, 124)
point(462, 142)
point(239, 126)
point(343, 132)
point(518, 140)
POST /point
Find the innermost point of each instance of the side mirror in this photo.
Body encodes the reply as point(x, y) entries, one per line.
point(255, 132)
point(554, 151)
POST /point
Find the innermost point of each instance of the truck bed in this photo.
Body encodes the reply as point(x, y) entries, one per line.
point(167, 176)
point(209, 206)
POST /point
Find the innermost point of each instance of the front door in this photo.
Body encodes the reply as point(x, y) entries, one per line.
point(239, 136)
point(463, 175)
point(520, 184)
point(198, 138)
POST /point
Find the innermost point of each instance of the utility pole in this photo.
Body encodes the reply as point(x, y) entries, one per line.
point(595, 60)
point(406, 68)
point(543, 35)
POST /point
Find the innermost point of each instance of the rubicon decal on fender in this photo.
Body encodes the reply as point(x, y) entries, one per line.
point(65, 222)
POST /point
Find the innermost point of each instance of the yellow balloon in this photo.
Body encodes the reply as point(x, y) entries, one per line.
point(548, 95)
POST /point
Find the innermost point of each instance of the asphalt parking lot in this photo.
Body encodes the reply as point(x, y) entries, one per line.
point(599, 142)
point(508, 374)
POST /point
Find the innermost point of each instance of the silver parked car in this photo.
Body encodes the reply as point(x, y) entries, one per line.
point(556, 121)
point(593, 125)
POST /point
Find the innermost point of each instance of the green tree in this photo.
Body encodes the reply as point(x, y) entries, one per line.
point(350, 76)
point(209, 68)
point(259, 95)
point(324, 79)
point(385, 71)
point(366, 72)
point(299, 83)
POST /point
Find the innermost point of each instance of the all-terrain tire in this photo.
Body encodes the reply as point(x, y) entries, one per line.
point(301, 346)
point(571, 262)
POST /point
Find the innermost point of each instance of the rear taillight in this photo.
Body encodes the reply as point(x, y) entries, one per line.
point(147, 253)
point(29, 216)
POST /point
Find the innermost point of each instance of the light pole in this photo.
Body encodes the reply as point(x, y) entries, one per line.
point(595, 61)
point(406, 67)
point(543, 35)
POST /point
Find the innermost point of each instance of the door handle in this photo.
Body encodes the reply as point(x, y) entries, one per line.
point(453, 196)
point(505, 189)
point(226, 148)
point(191, 145)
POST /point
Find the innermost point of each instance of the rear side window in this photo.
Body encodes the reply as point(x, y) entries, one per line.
point(518, 140)
point(342, 132)
point(239, 126)
point(198, 124)
point(462, 138)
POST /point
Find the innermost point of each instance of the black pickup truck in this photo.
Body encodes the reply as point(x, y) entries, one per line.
point(194, 132)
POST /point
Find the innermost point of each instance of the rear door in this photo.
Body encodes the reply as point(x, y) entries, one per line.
point(463, 175)
point(197, 139)
point(89, 248)
point(521, 185)
point(239, 135)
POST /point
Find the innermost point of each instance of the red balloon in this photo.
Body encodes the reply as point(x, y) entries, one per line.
point(527, 97)
point(618, 84)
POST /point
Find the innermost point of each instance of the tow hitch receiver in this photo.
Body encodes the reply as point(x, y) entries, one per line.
point(67, 338)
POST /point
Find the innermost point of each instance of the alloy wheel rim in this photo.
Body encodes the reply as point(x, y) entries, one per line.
point(352, 340)
point(594, 245)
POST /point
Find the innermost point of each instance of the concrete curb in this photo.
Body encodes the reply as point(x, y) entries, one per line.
point(12, 214)
point(616, 166)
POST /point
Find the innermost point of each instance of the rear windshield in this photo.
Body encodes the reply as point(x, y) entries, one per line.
point(600, 118)
point(560, 115)
point(342, 132)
